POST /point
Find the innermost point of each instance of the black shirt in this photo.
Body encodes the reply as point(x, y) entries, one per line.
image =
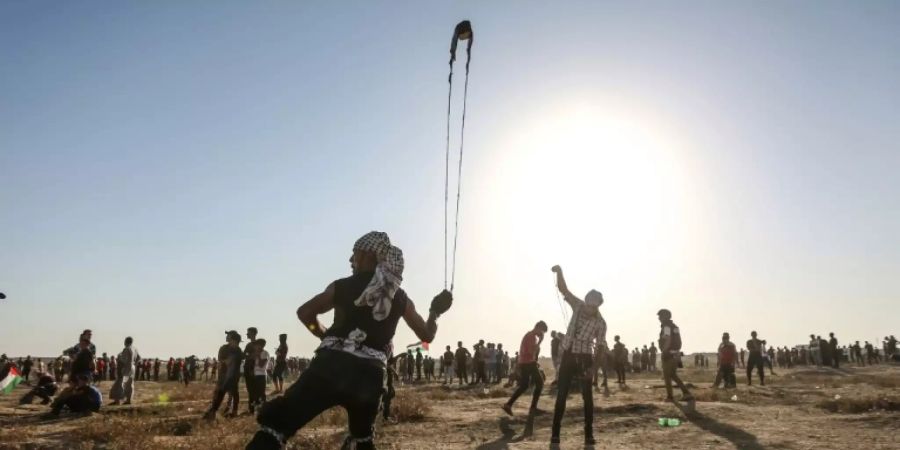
point(229, 361)
point(281, 354)
point(754, 346)
point(83, 362)
point(461, 353)
point(348, 317)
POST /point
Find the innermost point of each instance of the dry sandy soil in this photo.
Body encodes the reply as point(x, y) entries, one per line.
point(799, 409)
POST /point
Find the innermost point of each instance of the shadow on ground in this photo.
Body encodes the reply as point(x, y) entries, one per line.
point(740, 438)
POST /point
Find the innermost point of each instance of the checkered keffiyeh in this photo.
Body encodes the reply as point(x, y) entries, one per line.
point(388, 273)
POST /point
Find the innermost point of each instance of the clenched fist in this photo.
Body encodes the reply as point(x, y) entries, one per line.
point(442, 302)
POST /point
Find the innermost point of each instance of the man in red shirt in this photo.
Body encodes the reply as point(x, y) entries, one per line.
point(528, 367)
point(727, 358)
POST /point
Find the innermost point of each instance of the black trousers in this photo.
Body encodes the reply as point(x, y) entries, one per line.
point(219, 395)
point(575, 366)
point(528, 373)
point(278, 373)
point(334, 378)
point(461, 372)
point(259, 390)
point(756, 360)
point(726, 375)
point(249, 380)
point(620, 372)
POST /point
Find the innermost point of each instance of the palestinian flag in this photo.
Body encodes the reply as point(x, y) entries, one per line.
point(11, 381)
point(421, 344)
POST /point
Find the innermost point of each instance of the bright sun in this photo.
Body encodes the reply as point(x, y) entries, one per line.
point(588, 187)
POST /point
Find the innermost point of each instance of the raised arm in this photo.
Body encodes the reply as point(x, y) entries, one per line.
point(425, 330)
point(570, 298)
point(309, 312)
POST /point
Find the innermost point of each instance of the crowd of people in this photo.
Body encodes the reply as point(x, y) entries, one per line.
point(80, 369)
point(355, 365)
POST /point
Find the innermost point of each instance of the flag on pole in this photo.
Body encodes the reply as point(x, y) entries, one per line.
point(11, 381)
point(421, 344)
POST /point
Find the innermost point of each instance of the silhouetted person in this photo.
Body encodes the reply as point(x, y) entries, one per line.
point(229, 371)
point(835, 351)
point(755, 359)
point(586, 330)
point(528, 367)
point(349, 367)
point(670, 347)
point(620, 359)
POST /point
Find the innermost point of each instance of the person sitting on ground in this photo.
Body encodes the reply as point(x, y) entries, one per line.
point(349, 366)
point(79, 397)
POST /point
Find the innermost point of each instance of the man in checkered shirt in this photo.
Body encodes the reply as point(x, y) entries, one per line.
point(586, 332)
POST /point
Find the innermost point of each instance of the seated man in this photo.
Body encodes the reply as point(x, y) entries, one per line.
point(45, 389)
point(81, 397)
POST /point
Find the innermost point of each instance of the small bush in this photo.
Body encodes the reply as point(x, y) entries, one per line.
point(409, 407)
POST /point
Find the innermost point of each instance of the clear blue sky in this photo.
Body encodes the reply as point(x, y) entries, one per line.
point(172, 170)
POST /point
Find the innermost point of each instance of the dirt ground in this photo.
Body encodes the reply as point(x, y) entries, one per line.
point(798, 409)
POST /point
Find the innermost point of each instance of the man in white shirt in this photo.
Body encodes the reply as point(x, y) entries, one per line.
point(259, 373)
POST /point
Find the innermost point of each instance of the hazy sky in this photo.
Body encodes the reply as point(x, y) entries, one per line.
point(171, 170)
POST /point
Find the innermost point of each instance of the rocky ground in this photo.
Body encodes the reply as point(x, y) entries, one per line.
point(798, 409)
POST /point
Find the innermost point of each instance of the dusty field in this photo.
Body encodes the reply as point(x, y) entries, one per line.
point(800, 409)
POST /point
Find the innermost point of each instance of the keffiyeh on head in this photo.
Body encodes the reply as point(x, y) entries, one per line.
point(388, 273)
point(593, 298)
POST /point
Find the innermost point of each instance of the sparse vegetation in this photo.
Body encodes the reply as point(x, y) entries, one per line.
point(467, 417)
point(861, 405)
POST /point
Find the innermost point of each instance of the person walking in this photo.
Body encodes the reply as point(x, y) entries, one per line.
point(229, 374)
point(670, 346)
point(528, 367)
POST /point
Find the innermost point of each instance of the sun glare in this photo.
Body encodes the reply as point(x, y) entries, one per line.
point(591, 188)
